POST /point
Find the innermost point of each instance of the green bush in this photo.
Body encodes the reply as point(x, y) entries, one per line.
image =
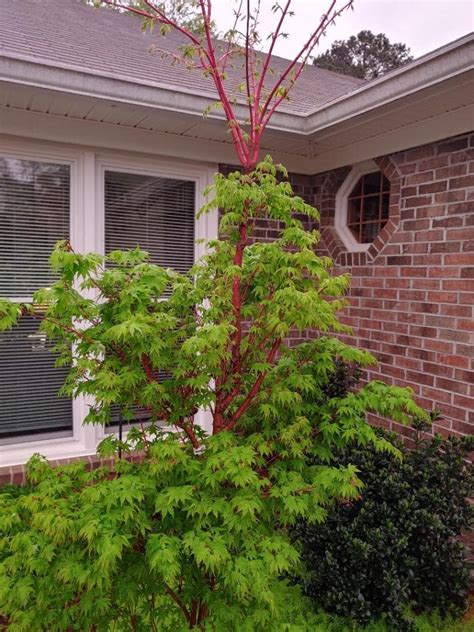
point(395, 547)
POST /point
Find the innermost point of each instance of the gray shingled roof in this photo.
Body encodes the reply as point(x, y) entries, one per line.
point(68, 33)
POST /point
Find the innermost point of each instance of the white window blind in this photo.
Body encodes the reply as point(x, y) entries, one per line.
point(157, 214)
point(29, 384)
point(34, 214)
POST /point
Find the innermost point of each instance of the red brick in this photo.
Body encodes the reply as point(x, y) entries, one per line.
point(465, 350)
point(448, 246)
point(464, 428)
point(420, 378)
point(431, 211)
point(433, 163)
point(457, 414)
point(443, 297)
point(452, 145)
point(459, 259)
point(407, 191)
point(443, 272)
point(448, 222)
point(438, 369)
point(461, 400)
point(413, 271)
point(456, 361)
point(451, 385)
point(460, 311)
point(5, 476)
point(464, 207)
point(458, 285)
point(458, 195)
point(433, 187)
point(468, 246)
point(455, 335)
point(430, 235)
point(427, 284)
point(450, 172)
point(462, 182)
point(438, 345)
point(436, 395)
point(463, 233)
point(418, 200)
point(411, 226)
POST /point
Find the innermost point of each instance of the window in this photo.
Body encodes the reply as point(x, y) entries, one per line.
point(362, 206)
point(34, 214)
point(368, 205)
point(101, 201)
point(155, 213)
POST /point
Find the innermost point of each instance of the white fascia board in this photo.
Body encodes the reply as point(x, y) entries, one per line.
point(74, 81)
point(447, 62)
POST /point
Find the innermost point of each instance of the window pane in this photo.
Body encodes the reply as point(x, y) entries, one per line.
point(385, 205)
point(357, 190)
point(355, 230)
point(29, 384)
point(369, 232)
point(385, 184)
point(372, 183)
point(353, 211)
point(370, 208)
point(34, 215)
point(368, 212)
point(157, 214)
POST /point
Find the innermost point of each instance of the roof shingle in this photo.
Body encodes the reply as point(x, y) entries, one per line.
point(68, 33)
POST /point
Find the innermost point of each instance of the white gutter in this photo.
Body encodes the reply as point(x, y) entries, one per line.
point(442, 64)
point(68, 79)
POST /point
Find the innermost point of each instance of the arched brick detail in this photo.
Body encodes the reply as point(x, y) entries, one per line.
point(325, 187)
point(391, 172)
point(329, 184)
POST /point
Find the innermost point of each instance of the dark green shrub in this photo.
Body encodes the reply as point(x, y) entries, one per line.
point(396, 547)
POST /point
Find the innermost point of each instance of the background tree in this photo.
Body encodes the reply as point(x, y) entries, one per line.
point(364, 55)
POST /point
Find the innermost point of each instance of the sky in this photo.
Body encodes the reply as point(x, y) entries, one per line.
point(423, 25)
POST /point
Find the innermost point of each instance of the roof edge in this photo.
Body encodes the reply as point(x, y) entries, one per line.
point(444, 63)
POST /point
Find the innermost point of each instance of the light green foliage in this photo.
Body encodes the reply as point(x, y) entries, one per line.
point(194, 536)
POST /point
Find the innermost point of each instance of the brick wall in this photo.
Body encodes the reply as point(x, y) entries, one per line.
point(412, 296)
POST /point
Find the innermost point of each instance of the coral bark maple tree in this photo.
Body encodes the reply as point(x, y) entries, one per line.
point(194, 536)
point(248, 109)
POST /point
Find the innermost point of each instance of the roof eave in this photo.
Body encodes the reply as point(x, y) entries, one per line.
point(74, 81)
point(449, 61)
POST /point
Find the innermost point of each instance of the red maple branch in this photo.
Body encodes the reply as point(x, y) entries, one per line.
point(255, 388)
point(247, 147)
point(301, 58)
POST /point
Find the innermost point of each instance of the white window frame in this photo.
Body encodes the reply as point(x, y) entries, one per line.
point(87, 235)
point(342, 198)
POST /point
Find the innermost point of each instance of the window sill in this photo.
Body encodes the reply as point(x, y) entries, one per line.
point(51, 449)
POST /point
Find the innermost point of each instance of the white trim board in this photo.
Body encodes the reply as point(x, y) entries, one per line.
point(86, 232)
